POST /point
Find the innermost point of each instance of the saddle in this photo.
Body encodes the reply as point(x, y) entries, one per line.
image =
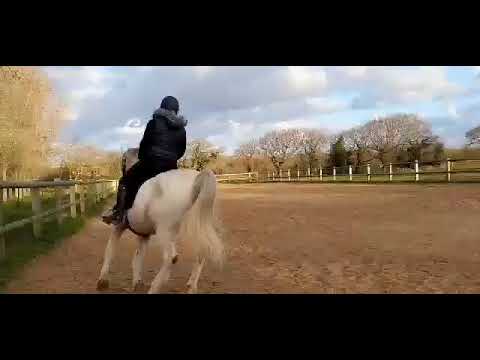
point(107, 219)
point(126, 223)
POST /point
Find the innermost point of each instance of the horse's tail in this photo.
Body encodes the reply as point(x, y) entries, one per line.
point(200, 225)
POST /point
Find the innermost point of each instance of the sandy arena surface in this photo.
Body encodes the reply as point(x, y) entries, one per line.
point(302, 238)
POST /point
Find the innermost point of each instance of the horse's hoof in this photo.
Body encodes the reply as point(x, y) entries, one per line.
point(139, 286)
point(102, 284)
point(191, 289)
point(175, 259)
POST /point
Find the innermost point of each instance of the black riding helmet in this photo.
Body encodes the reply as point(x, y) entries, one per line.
point(170, 103)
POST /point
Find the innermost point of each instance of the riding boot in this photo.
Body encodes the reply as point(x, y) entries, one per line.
point(119, 209)
point(115, 214)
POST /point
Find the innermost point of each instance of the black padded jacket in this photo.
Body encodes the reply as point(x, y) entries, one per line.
point(164, 138)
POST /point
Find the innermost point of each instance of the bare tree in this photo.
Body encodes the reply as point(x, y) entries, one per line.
point(388, 135)
point(199, 154)
point(246, 153)
point(473, 136)
point(312, 142)
point(279, 145)
point(30, 118)
point(357, 142)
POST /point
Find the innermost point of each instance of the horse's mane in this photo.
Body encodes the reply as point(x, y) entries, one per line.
point(129, 158)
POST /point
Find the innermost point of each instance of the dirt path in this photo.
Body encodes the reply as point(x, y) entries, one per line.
point(311, 238)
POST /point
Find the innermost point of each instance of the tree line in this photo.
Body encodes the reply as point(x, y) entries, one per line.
point(32, 117)
point(398, 138)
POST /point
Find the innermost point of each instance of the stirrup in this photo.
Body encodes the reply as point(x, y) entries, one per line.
point(108, 217)
point(120, 220)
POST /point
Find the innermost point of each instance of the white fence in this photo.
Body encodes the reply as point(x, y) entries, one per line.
point(248, 177)
point(89, 193)
point(450, 170)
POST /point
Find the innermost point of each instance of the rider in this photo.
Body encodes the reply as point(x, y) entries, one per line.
point(163, 144)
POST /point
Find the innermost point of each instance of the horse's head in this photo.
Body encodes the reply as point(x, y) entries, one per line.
point(129, 158)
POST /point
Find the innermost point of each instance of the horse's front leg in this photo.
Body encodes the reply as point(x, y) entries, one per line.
point(110, 251)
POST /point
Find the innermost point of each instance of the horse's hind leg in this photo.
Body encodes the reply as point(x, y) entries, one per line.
point(110, 251)
point(192, 283)
point(167, 239)
point(137, 263)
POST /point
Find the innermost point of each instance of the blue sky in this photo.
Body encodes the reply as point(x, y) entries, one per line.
point(109, 106)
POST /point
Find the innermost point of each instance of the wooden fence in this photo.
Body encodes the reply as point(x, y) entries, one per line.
point(89, 193)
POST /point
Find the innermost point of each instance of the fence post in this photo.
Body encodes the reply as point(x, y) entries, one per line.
point(88, 195)
point(368, 172)
point(350, 172)
point(417, 175)
point(93, 188)
point(273, 175)
point(320, 174)
point(81, 189)
point(2, 236)
point(449, 168)
point(58, 203)
point(73, 204)
point(289, 175)
point(334, 173)
point(268, 175)
point(37, 209)
point(280, 173)
point(390, 172)
point(298, 174)
point(309, 173)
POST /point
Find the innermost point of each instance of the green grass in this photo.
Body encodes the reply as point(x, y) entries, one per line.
point(22, 247)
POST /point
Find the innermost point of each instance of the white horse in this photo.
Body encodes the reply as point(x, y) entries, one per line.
point(174, 204)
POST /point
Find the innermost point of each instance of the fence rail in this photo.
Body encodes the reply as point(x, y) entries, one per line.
point(443, 172)
point(248, 176)
point(89, 192)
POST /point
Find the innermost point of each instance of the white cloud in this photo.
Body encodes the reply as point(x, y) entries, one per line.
point(452, 110)
point(304, 78)
point(326, 105)
point(71, 115)
point(380, 85)
point(87, 92)
point(355, 71)
point(202, 71)
point(128, 135)
point(232, 104)
point(134, 122)
point(145, 68)
point(293, 124)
